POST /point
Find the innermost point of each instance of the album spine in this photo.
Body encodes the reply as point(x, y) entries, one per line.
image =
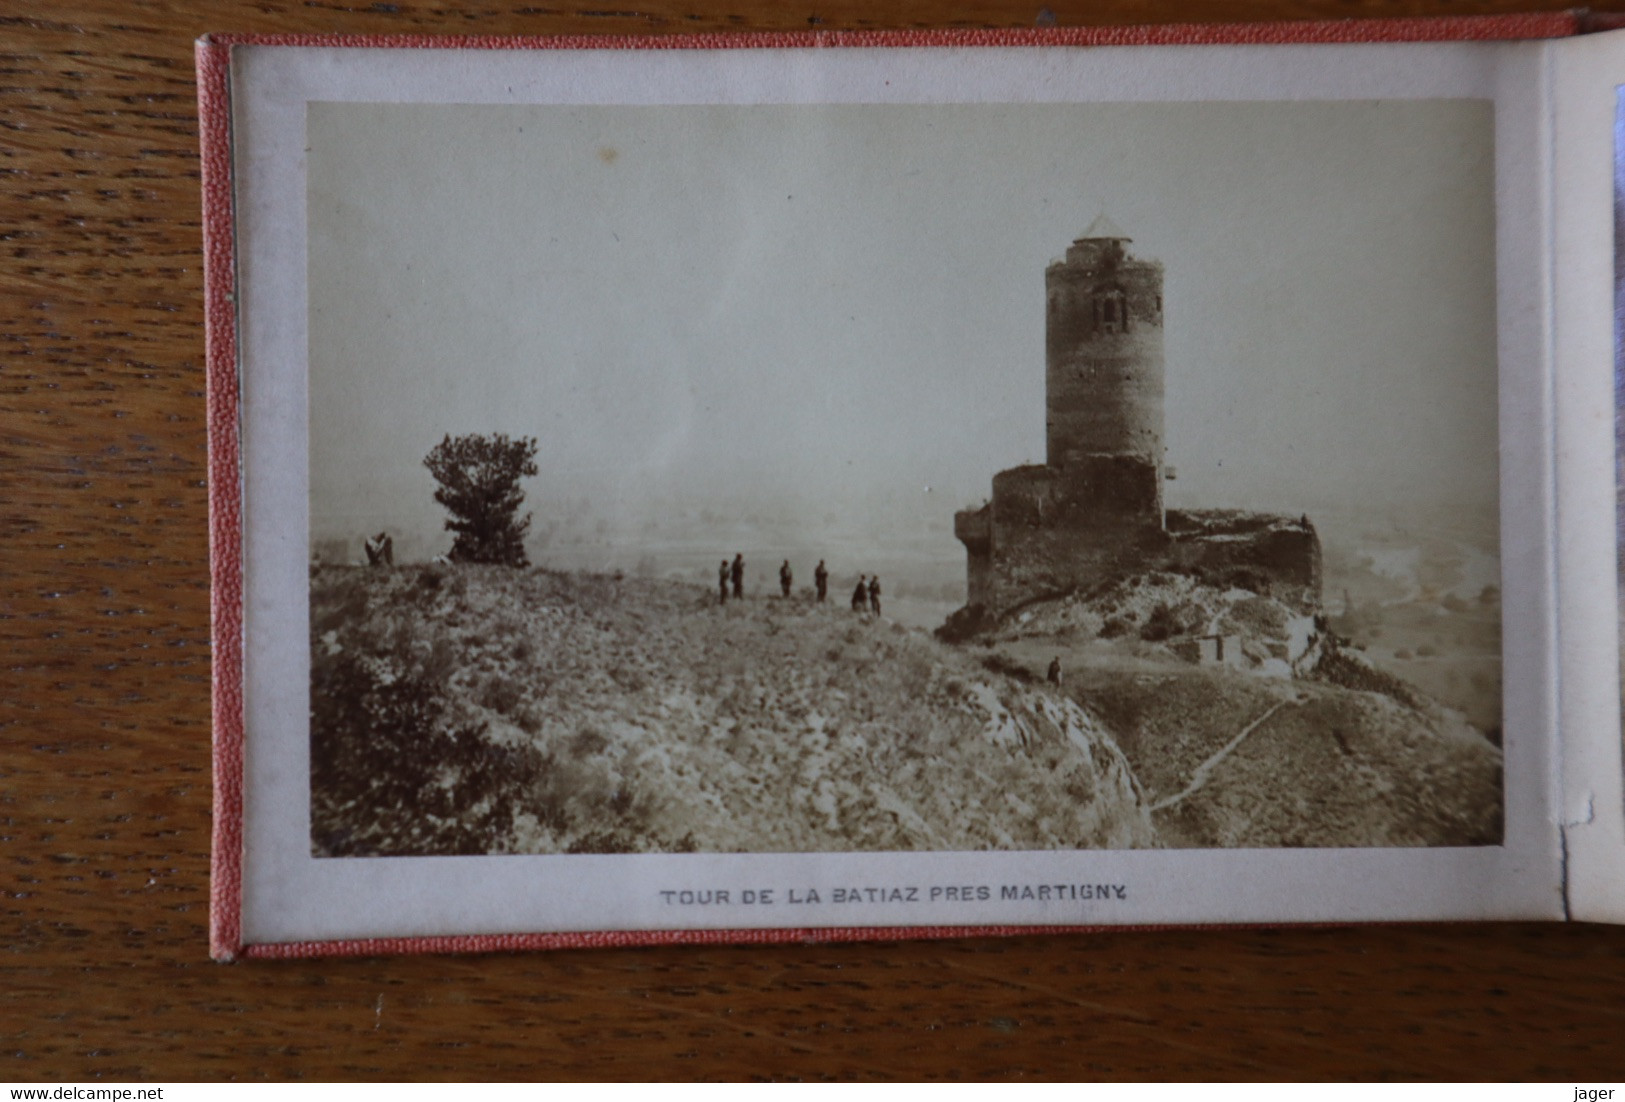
point(225, 496)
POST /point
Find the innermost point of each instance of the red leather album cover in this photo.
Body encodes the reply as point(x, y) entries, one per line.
point(873, 485)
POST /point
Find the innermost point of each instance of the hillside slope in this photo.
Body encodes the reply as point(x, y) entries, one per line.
point(478, 709)
point(1246, 755)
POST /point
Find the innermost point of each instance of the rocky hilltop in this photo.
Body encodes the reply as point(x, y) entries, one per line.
point(1250, 724)
point(480, 709)
point(464, 709)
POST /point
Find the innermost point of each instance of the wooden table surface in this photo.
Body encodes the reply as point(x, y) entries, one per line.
point(104, 709)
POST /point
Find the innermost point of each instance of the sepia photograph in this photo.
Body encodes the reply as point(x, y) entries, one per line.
point(902, 477)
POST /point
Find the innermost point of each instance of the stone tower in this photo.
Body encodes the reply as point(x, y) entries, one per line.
point(1092, 512)
point(1104, 367)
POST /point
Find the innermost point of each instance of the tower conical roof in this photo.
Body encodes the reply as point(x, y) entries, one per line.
point(1104, 229)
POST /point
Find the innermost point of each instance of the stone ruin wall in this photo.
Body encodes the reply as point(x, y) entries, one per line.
point(1046, 530)
point(1048, 563)
point(974, 529)
point(1026, 547)
point(1274, 556)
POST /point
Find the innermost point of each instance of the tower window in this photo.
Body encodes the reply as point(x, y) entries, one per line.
point(1111, 311)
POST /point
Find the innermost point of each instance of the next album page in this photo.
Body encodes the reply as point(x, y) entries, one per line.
point(1588, 74)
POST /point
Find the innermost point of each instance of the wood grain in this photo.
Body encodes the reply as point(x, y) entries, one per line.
point(104, 713)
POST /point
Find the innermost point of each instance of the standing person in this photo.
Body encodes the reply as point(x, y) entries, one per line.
point(860, 595)
point(1054, 675)
point(784, 578)
point(821, 580)
point(722, 582)
point(874, 594)
point(380, 550)
point(737, 574)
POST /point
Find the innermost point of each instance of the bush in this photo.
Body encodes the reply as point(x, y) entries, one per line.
point(965, 623)
point(501, 695)
point(391, 774)
point(1114, 627)
point(1159, 625)
point(588, 741)
point(998, 663)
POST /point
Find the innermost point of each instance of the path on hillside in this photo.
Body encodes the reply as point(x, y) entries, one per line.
point(1205, 770)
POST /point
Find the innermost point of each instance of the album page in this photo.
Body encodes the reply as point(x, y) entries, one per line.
point(901, 489)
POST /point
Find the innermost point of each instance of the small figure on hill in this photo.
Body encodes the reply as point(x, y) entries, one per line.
point(737, 574)
point(1054, 674)
point(874, 594)
point(821, 580)
point(722, 583)
point(381, 550)
point(860, 595)
point(784, 578)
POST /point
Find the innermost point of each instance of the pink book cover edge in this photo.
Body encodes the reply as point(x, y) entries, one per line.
point(213, 55)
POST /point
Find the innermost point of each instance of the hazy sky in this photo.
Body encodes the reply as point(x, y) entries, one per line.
point(841, 305)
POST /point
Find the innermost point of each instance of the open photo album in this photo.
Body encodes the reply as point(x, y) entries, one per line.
point(845, 486)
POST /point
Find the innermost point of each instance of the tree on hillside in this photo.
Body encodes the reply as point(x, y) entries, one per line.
point(479, 485)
